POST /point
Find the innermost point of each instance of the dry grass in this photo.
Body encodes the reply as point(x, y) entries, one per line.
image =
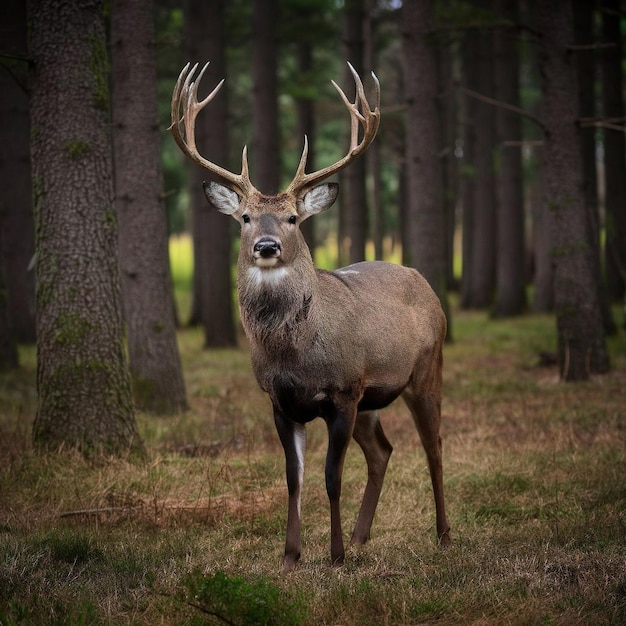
point(535, 477)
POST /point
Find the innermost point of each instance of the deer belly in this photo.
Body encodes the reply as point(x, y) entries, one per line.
point(378, 397)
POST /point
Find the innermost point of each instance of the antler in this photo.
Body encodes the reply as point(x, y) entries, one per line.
point(185, 95)
point(360, 113)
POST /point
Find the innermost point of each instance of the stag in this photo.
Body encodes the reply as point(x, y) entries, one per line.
point(337, 345)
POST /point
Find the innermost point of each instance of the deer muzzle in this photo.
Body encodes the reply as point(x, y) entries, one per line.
point(266, 251)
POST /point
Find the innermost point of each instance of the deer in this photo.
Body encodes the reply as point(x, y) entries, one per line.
point(337, 345)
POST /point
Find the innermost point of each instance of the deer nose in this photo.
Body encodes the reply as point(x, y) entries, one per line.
point(267, 247)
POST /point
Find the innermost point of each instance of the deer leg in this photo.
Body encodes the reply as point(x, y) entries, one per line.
point(340, 427)
point(368, 433)
point(293, 438)
point(426, 412)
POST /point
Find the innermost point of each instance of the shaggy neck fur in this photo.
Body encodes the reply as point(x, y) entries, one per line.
point(278, 307)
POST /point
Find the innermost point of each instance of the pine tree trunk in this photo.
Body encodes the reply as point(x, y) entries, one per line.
point(354, 201)
point(427, 226)
point(469, 70)
point(614, 150)
point(16, 191)
point(306, 122)
point(204, 40)
point(581, 342)
point(510, 288)
point(155, 367)
point(265, 128)
point(483, 263)
point(83, 382)
point(8, 349)
point(584, 16)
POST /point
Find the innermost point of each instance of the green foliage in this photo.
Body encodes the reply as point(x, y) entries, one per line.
point(234, 600)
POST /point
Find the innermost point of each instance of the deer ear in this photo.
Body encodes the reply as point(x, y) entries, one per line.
point(225, 200)
point(318, 199)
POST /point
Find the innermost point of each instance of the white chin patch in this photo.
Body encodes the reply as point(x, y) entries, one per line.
point(267, 276)
point(266, 263)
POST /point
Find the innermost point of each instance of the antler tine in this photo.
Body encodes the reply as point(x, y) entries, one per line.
point(360, 114)
point(185, 96)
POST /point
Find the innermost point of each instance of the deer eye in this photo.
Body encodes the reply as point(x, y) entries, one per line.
point(293, 219)
point(246, 218)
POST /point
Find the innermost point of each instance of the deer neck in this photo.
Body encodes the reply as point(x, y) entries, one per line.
point(279, 306)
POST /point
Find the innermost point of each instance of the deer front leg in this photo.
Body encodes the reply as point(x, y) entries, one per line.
point(293, 438)
point(340, 428)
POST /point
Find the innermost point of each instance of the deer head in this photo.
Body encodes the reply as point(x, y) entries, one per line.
point(269, 223)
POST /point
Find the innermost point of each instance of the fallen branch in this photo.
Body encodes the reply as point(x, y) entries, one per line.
point(110, 509)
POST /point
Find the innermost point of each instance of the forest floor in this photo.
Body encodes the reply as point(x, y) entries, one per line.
point(535, 476)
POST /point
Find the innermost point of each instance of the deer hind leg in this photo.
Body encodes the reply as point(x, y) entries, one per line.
point(368, 433)
point(426, 411)
point(293, 438)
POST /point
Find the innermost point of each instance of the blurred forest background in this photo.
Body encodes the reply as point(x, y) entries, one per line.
point(498, 171)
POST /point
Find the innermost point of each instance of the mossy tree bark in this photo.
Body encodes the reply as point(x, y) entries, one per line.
point(155, 365)
point(581, 340)
point(83, 382)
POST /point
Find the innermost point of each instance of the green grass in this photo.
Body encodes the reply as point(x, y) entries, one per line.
point(534, 473)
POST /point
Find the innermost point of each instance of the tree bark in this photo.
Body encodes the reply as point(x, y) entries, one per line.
point(83, 382)
point(8, 348)
point(155, 367)
point(16, 204)
point(204, 37)
point(354, 200)
point(614, 151)
point(483, 264)
point(510, 285)
point(584, 17)
point(581, 341)
point(426, 217)
point(469, 70)
point(265, 127)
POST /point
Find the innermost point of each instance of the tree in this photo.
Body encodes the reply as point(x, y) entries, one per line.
point(8, 349)
point(212, 239)
point(510, 298)
point(265, 127)
point(425, 212)
point(82, 378)
point(155, 366)
point(581, 341)
point(16, 207)
point(483, 250)
point(354, 201)
point(614, 149)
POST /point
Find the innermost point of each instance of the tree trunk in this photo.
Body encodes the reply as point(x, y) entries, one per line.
point(581, 342)
point(510, 288)
point(483, 263)
point(614, 151)
point(265, 128)
point(8, 349)
point(16, 204)
point(155, 367)
point(204, 37)
point(584, 14)
point(426, 225)
point(469, 64)
point(305, 111)
point(84, 388)
point(354, 202)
